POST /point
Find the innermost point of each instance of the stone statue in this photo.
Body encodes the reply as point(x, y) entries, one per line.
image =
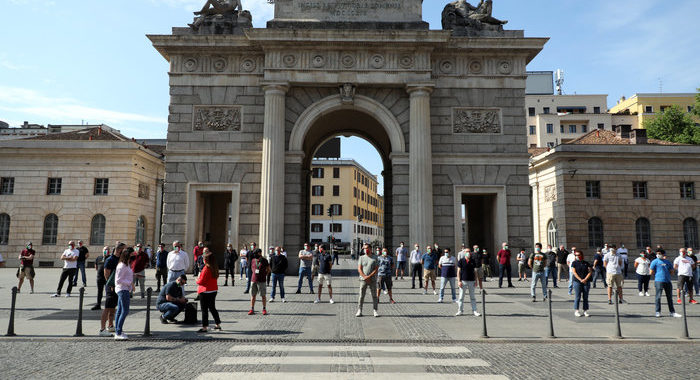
point(219, 7)
point(221, 17)
point(466, 19)
point(483, 13)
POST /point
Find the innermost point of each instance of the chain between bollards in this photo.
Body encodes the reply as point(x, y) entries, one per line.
point(11, 324)
point(147, 328)
point(79, 326)
point(551, 320)
point(684, 331)
point(618, 334)
point(484, 333)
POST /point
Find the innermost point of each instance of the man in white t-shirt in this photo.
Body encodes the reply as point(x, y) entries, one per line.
point(685, 266)
point(569, 262)
point(70, 268)
point(622, 251)
point(613, 266)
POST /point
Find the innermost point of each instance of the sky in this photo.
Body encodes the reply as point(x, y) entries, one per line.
point(80, 61)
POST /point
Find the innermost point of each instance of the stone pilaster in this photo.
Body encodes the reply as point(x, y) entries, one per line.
point(272, 177)
point(420, 179)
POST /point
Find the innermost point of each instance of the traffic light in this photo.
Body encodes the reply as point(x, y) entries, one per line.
point(330, 211)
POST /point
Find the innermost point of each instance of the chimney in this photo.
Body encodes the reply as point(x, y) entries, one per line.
point(638, 136)
point(26, 124)
point(623, 131)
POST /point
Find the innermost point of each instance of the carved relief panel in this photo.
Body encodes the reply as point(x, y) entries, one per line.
point(476, 120)
point(217, 118)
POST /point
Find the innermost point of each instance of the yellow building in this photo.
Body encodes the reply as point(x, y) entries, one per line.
point(351, 191)
point(646, 106)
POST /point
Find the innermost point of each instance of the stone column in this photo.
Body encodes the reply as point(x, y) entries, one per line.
point(420, 165)
point(272, 175)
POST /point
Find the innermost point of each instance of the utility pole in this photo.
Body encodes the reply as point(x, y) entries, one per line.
point(330, 213)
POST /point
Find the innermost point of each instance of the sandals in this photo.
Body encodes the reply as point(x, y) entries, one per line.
point(202, 330)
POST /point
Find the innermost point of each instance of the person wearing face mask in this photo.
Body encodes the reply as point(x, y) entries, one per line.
point(70, 268)
point(478, 258)
point(522, 265)
point(197, 253)
point(367, 267)
point(641, 267)
point(306, 257)
point(685, 267)
point(401, 256)
point(582, 271)
point(504, 265)
point(161, 266)
point(230, 258)
point(448, 274)
point(243, 267)
point(250, 255)
point(613, 266)
point(570, 259)
point(466, 273)
point(696, 272)
point(429, 263)
point(662, 270)
point(178, 261)
point(171, 299)
point(386, 269)
point(649, 254)
point(26, 260)
point(416, 267)
point(538, 263)
point(598, 268)
point(550, 271)
point(101, 280)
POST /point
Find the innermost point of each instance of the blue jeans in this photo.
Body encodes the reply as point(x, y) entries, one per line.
point(550, 272)
point(502, 270)
point(174, 274)
point(249, 274)
point(122, 310)
point(244, 268)
point(305, 272)
point(668, 288)
point(599, 272)
point(472, 297)
point(571, 281)
point(578, 289)
point(169, 310)
point(443, 283)
point(277, 278)
point(81, 269)
point(543, 279)
point(696, 279)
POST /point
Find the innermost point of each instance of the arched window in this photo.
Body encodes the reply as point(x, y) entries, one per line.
point(50, 230)
point(97, 230)
point(141, 230)
point(595, 232)
point(643, 229)
point(552, 237)
point(690, 233)
point(4, 229)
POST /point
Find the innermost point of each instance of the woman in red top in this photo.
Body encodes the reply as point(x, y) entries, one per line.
point(207, 290)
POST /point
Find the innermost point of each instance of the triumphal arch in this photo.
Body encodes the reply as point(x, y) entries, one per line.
point(250, 106)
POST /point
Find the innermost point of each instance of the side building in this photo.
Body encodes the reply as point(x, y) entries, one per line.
point(645, 106)
point(616, 187)
point(92, 184)
point(351, 191)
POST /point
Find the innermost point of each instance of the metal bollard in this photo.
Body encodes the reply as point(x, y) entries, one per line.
point(484, 333)
point(147, 328)
point(618, 334)
point(11, 325)
point(684, 332)
point(551, 320)
point(79, 326)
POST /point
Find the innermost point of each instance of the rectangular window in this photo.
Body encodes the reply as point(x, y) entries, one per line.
point(690, 109)
point(101, 186)
point(561, 128)
point(54, 186)
point(336, 190)
point(337, 210)
point(596, 109)
point(362, 196)
point(584, 129)
point(144, 190)
point(316, 227)
point(336, 172)
point(550, 128)
point(317, 172)
point(354, 210)
point(317, 191)
point(687, 190)
point(531, 111)
point(593, 189)
point(336, 227)
point(572, 129)
point(601, 126)
point(354, 192)
point(7, 185)
point(532, 129)
point(316, 209)
point(648, 109)
point(546, 110)
point(639, 190)
point(663, 108)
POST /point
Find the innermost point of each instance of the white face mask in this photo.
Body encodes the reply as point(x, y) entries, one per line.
point(659, 256)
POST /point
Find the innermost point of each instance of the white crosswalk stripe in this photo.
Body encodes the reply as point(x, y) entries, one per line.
point(348, 376)
point(373, 348)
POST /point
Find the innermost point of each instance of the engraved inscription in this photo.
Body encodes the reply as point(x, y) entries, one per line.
point(349, 8)
point(550, 193)
point(476, 120)
point(217, 118)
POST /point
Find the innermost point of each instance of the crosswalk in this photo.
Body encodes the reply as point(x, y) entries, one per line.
point(348, 362)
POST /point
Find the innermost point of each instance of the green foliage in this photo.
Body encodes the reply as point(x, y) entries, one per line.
point(696, 108)
point(673, 125)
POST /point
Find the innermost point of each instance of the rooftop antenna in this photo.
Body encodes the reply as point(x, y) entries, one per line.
point(559, 75)
point(661, 86)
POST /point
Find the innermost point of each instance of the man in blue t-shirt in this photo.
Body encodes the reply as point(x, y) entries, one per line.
point(662, 270)
point(429, 262)
point(171, 300)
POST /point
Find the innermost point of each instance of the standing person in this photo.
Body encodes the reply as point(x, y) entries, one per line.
point(26, 267)
point(230, 258)
point(416, 267)
point(111, 299)
point(139, 262)
point(563, 269)
point(324, 261)
point(69, 257)
point(662, 270)
point(401, 258)
point(305, 262)
point(466, 273)
point(504, 265)
point(83, 255)
point(685, 266)
point(197, 253)
point(538, 263)
point(177, 262)
point(550, 271)
point(161, 266)
point(124, 284)
point(386, 269)
point(336, 257)
point(522, 265)
point(598, 268)
point(624, 253)
point(243, 268)
point(429, 262)
point(613, 266)
point(448, 274)
point(208, 289)
point(649, 254)
point(696, 272)
point(641, 267)
point(259, 267)
point(101, 280)
point(171, 300)
point(486, 264)
point(478, 258)
point(569, 261)
point(582, 271)
point(278, 266)
point(151, 257)
point(250, 255)
point(367, 267)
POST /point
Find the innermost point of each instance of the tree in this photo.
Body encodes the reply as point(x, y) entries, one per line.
point(675, 125)
point(696, 108)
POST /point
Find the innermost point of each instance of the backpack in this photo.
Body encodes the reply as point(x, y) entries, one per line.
point(190, 313)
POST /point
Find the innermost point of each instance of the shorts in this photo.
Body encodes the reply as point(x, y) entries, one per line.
point(325, 277)
point(615, 279)
point(685, 280)
point(521, 268)
point(429, 274)
point(258, 287)
point(111, 299)
point(480, 273)
point(26, 271)
point(384, 281)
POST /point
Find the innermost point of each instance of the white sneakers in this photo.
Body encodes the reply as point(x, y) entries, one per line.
point(385, 292)
point(105, 333)
point(317, 300)
point(55, 295)
point(331, 301)
point(585, 313)
point(121, 337)
point(676, 315)
point(67, 295)
point(646, 294)
point(271, 300)
point(477, 314)
point(375, 313)
point(359, 313)
point(434, 293)
point(658, 315)
point(425, 292)
point(577, 313)
point(439, 300)
point(458, 313)
point(111, 329)
point(641, 294)
point(284, 300)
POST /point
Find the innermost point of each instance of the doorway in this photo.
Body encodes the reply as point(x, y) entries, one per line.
point(481, 216)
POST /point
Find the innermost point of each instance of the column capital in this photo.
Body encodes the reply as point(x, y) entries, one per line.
point(418, 88)
point(275, 86)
